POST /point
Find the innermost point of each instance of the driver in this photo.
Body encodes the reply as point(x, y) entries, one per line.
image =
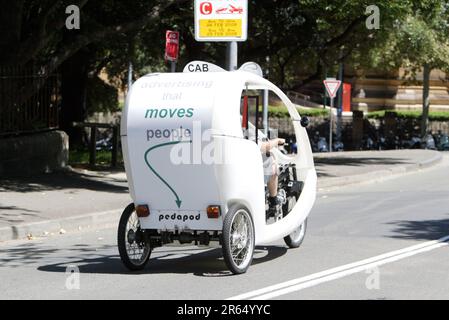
point(271, 170)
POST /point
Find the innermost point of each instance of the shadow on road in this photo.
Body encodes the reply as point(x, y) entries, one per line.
point(420, 229)
point(205, 264)
point(10, 215)
point(28, 254)
point(359, 161)
point(321, 163)
point(60, 181)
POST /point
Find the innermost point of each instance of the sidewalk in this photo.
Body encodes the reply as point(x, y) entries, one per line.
point(343, 168)
point(78, 199)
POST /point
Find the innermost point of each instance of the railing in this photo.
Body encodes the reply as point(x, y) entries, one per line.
point(93, 140)
point(302, 99)
point(29, 101)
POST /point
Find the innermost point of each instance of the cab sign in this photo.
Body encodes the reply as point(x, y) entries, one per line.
point(202, 66)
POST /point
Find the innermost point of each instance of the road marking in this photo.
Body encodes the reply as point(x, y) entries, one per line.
point(340, 272)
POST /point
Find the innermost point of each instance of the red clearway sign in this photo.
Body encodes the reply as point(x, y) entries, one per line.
point(332, 87)
point(171, 45)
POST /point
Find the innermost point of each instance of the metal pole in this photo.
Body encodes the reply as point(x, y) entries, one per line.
point(92, 146)
point(265, 100)
point(115, 138)
point(330, 125)
point(265, 113)
point(173, 66)
point(231, 55)
point(130, 75)
point(324, 88)
point(340, 101)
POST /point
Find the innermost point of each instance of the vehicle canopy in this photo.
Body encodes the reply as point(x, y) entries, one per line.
point(184, 149)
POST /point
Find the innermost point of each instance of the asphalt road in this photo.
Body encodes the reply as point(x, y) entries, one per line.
point(371, 241)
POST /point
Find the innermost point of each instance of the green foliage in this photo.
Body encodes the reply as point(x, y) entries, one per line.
point(417, 38)
point(304, 37)
point(301, 38)
point(80, 157)
point(433, 115)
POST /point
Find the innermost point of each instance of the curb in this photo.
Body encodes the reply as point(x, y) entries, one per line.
point(43, 228)
point(379, 175)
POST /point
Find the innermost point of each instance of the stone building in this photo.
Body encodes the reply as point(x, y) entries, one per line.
point(375, 91)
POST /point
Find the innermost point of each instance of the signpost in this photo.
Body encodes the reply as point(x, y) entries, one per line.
point(332, 85)
point(222, 20)
point(172, 48)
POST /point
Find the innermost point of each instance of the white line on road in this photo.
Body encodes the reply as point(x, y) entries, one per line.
point(340, 272)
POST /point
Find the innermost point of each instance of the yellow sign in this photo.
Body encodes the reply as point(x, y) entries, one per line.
point(220, 28)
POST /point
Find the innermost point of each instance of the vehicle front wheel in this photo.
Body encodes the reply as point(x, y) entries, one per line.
point(238, 239)
point(134, 251)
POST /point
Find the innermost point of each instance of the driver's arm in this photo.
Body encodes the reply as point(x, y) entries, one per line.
point(266, 146)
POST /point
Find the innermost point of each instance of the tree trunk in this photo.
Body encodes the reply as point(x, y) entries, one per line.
point(73, 92)
point(425, 100)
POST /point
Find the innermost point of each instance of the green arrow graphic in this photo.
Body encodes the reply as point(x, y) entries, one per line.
point(178, 201)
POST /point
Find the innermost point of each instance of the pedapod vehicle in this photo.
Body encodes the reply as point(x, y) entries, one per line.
point(196, 175)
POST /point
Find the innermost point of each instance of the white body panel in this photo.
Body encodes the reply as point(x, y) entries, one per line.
point(223, 167)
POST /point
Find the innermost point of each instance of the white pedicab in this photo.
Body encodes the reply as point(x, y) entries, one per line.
point(195, 177)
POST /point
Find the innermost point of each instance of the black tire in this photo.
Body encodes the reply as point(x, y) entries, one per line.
point(239, 212)
point(295, 239)
point(124, 238)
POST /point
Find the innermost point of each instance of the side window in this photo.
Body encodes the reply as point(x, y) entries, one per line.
point(251, 111)
point(280, 123)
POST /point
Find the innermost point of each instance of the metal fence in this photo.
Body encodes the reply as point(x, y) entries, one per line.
point(29, 101)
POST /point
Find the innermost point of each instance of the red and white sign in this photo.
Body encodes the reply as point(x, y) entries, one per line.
point(171, 45)
point(229, 9)
point(332, 87)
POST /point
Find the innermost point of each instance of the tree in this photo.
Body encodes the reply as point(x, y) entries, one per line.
point(418, 42)
point(302, 38)
point(33, 33)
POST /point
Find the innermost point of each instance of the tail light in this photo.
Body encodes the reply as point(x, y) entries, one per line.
point(213, 212)
point(142, 211)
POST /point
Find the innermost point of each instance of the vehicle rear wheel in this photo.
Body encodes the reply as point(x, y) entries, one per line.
point(134, 251)
point(238, 239)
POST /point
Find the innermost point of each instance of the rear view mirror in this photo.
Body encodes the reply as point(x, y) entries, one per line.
point(304, 122)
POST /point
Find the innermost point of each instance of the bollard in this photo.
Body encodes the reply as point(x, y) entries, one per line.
point(93, 146)
point(357, 129)
point(114, 146)
point(390, 126)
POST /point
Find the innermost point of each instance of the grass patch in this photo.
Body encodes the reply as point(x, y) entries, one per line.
point(81, 157)
point(433, 115)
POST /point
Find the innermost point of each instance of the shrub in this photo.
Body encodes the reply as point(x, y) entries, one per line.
point(416, 115)
point(282, 112)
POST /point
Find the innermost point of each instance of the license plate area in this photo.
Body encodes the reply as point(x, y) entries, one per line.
point(171, 220)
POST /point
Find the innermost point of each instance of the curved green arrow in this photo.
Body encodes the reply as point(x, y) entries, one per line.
point(178, 201)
